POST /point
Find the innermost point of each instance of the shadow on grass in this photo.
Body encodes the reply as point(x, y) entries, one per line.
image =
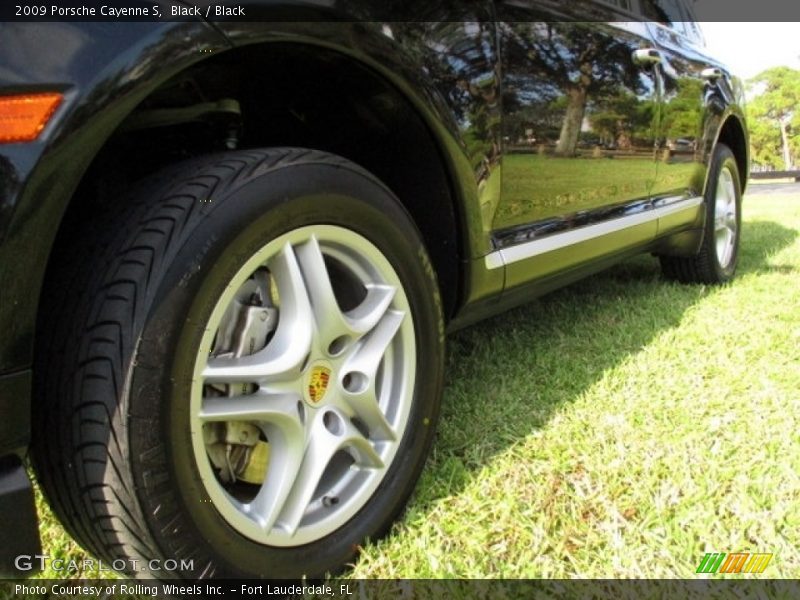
point(760, 240)
point(508, 375)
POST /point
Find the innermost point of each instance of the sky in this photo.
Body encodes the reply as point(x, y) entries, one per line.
point(749, 48)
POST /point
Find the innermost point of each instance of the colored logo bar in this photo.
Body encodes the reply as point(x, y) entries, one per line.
point(736, 562)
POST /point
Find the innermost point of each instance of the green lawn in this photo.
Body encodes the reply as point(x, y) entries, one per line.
point(621, 427)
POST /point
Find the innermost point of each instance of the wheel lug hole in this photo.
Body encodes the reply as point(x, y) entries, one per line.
point(333, 423)
point(355, 382)
point(338, 345)
point(330, 501)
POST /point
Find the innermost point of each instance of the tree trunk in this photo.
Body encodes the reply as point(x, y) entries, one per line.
point(624, 138)
point(787, 155)
point(573, 119)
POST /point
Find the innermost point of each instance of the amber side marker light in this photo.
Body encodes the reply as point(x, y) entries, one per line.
point(22, 117)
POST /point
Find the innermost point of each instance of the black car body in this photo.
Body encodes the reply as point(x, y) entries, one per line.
point(528, 140)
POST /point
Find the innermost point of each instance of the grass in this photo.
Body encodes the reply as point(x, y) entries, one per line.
point(621, 427)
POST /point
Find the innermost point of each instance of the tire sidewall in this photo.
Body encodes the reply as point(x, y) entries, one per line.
point(244, 220)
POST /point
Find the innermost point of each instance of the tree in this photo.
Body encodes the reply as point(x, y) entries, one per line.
point(576, 62)
point(622, 118)
point(765, 143)
point(774, 114)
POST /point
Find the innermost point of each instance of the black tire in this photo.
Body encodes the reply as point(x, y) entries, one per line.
point(708, 266)
point(123, 319)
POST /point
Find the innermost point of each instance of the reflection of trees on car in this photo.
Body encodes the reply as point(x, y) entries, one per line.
point(536, 122)
point(580, 63)
point(622, 120)
point(682, 109)
point(460, 58)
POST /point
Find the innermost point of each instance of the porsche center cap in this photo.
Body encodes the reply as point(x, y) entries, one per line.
point(319, 377)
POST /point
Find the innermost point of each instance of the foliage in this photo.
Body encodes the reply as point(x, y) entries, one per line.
point(775, 120)
point(682, 109)
point(765, 143)
point(621, 117)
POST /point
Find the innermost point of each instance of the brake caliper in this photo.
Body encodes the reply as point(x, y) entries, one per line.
point(236, 447)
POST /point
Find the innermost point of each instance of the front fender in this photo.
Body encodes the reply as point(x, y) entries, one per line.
point(104, 70)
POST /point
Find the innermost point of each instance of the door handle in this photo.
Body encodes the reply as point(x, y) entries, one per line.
point(647, 56)
point(711, 73)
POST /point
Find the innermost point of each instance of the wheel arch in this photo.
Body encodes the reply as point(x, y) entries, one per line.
point(385, 129)
point(733, 134)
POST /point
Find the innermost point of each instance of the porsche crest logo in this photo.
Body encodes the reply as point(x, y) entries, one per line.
point(318, 383)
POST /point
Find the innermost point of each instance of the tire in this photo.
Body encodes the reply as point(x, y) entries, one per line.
point(199, 349)
point(715, 262)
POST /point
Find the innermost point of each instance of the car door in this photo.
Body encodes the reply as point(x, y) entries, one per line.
point(580, 119)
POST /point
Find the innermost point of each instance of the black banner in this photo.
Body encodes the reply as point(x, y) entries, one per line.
point(154, 11)
point(414, 589)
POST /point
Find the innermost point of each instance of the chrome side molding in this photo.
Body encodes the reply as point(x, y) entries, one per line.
point(556, 241)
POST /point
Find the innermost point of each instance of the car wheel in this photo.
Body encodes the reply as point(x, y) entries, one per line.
point(718, 255)
point(249, 383)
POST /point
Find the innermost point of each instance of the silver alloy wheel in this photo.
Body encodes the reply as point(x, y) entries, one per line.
point(329, 387)
point(725, 228)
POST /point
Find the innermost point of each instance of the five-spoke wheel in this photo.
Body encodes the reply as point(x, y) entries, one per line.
point(309, 359)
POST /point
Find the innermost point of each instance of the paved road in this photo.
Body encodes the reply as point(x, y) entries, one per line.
point(773, 188)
